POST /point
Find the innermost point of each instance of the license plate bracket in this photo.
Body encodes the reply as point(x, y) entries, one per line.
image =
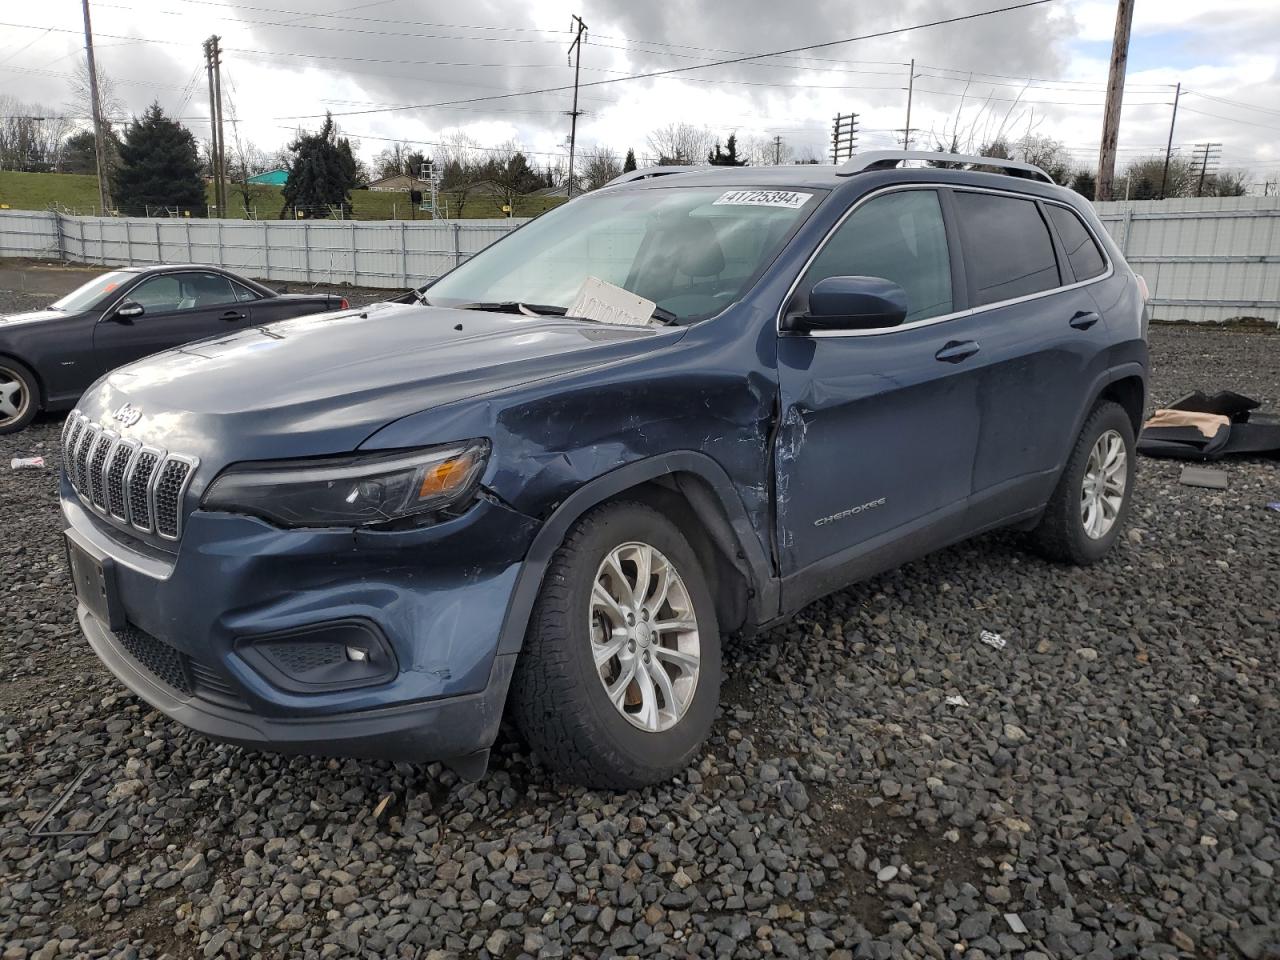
point(94, 576)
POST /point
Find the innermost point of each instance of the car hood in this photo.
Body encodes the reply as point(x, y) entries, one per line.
point(323, 383)
point(31, 316)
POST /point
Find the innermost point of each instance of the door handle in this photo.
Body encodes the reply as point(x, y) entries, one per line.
point(956, 350)
point(1084, 319)
point(232, 315)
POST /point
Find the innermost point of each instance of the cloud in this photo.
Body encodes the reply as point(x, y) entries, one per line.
point(280, 66)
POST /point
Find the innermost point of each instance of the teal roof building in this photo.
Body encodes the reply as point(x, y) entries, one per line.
point(272, 178)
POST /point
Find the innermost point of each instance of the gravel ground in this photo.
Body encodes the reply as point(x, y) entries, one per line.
point(1109, 785)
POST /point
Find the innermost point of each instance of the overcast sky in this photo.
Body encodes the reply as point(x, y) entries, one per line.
point(288, 61)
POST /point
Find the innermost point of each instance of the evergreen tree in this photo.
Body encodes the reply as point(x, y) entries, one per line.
point(80, 151)
point(727, 157)
point(322, 172)
point(1085, 183)
point(159, 167)
point(629, 164)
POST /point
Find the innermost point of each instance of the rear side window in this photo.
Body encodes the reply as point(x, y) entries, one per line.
point(898, 237)
point(1007, 248)
point(1082, 250)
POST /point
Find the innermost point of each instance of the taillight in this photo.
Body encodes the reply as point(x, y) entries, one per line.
point(1142, 287)
point(345, 306)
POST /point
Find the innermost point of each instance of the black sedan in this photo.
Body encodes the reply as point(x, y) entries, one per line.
point(48, 357)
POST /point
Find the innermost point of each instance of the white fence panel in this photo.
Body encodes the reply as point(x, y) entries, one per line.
point(1209, 259)
point(368, 253)
point(1204, 259)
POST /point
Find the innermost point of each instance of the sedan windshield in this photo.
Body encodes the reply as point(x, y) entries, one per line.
point(97, 289)
point(691, 250)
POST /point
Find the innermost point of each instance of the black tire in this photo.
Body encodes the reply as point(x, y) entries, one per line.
point(1061, 534)
point(17, 381)
point(558, 698)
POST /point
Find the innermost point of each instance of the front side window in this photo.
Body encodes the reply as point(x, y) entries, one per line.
point(159, 294)
point(1007, 249)
point(1082, 250)
point(691, 250)
point(898, 237)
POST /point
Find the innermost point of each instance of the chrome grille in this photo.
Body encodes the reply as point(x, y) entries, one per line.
point(119, 478)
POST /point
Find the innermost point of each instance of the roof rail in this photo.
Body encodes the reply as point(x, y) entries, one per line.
point(888, 159)
point(648, 173)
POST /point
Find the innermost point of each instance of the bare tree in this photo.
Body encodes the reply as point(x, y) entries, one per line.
point(1046, 153)
point(600, 167)
point(110, 105)
point(32, 136)
point(680, 143)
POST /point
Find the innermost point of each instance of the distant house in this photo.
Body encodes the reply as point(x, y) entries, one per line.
point(399, 183)
point(272, 178)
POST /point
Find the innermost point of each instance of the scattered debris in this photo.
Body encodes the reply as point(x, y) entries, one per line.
point(1274, 505)
point(1015, 923)
point(993, 639)
point(1199, 427)
point(957, 700)
point(1206, 477)
point(382, 806)
point(101, 821)
point(26, 463)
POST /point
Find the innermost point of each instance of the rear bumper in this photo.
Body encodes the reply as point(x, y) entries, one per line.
point(443, 729)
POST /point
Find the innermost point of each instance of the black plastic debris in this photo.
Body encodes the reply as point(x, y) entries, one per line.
point(1200, 427)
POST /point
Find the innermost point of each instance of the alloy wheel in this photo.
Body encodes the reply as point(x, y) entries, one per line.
point(1102, 492)
point(644, 636)
point(13, 397)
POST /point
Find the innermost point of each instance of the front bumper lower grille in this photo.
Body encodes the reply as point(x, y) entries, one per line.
point(135, 486)
point(177, 671)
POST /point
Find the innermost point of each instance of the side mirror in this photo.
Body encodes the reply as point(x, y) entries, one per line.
point(128, 310)
point(854, 303)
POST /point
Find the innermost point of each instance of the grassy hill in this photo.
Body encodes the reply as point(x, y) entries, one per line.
point(78, 193)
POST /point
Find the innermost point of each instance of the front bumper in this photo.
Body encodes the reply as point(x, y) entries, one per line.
point(438, 596)
point(445, 729)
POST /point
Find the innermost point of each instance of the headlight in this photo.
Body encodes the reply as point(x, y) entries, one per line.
point(351, 490)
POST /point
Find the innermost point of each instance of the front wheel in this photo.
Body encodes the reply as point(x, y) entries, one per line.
point(1091, 501)
point(619, 679)
point(19, 396)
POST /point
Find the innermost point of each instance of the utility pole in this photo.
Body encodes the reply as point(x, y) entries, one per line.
point(213, 62)
point(1168, 150)
point(1208, 152)
point(911, 83)
point(96, 108)
point(777, 149)
point(222, 139)
point(844, 136)
point(1115, 98)
point(575, 51)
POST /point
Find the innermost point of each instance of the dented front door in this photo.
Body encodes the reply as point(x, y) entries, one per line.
point(877, 439)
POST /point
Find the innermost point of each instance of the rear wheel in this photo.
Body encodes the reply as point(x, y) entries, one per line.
point(19, 396)
point(1091, 501)
point(619, 678)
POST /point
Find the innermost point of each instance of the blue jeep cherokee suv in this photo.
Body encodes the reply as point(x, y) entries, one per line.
point(372, 532)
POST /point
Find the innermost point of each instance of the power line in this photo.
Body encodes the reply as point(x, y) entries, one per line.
point(702, 66)
point(1247, 123)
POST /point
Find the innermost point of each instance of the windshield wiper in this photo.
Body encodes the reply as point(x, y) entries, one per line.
point(514, 306)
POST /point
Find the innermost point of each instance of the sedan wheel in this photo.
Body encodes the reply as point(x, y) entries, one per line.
point(17, 396)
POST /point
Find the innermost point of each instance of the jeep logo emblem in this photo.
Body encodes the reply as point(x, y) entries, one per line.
point(128, 415)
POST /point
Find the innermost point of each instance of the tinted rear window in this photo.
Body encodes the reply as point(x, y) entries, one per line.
point(1007, 247)
point(1082, 250)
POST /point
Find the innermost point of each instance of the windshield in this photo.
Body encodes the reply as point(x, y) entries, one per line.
point(691, 250)
point(82, 298)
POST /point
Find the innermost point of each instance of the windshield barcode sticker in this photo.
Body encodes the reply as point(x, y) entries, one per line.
point(791, 199)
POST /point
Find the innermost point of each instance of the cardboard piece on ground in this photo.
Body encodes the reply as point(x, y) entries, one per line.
point(1203, 477)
